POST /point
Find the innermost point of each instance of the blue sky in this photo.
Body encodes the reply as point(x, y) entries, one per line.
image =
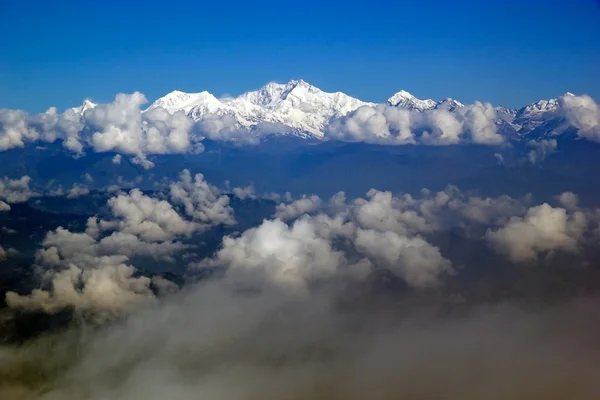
point(506, 52)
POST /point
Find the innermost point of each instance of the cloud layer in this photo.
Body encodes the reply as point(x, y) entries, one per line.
point(290, 308)
point(124, 128)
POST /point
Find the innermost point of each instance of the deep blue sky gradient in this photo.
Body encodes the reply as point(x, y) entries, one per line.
point(507, 52)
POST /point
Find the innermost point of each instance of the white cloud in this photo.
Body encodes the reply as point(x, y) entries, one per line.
point(116, 159)
point(226, 128)
point(385, 212)
point(304, 205)
point(285, 256)
point(4, 206)
point(15, 190)
point(441, 128)
point(380, 124)
point(243, 193)
point(120, 126)
point(299, 327)
point(479, 120)
point(148, 218)
point(542, 229)
point(413, 259)
point(67, 127)
point(201, 201)
point(541, 149)
point(106, 292)
point(396, 126)
point(77, 190)
point(488, 210)
point(90, 273)
point(583, 113)
point(568, 200)
point(14, 129)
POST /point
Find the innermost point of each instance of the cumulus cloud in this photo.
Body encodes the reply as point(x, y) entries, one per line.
point(67, 127)
point(286, 256)
point(383, 230)
point(116, 159)
point(288, 311)
point(119, 126)
point(149, 218)
point(380, 124)
point(328, 241)
point(485, 210)
point(200, 200)
point(541, 149)
point(108, 291)
point(383, 211)
point(479, 120)
point(411, 215)
point(4, 206)
point(440, 127)
point(14, 130)
point(568, 200)
point(226, 128)
point(90, 272)
point(542, 229)
point(415, 260)
point(392, 125)
point(244, 193)
point(583, 113)
point(304, 205)
point(17, 128)
point(15, 190)
point(78, 190)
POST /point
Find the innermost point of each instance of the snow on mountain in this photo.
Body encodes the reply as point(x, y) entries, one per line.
point(538, 108)
point(404, 99)
point(86, 105)
point(302, 109)
point(505, 113)
point(181, 101)
point(296, 104)
point(449, 104)
point(540, 116)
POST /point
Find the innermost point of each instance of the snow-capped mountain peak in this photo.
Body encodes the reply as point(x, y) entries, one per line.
point(404, 99)
point(297, 105)
point(299, 108)
point(449, 104)
point(177, 101)
point(541, 106)
point(86, 105)
point(538, 116)
point(266, 95)
point(400, 96)
point(272, 94)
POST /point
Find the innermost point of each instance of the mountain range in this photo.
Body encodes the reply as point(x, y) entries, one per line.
point(301, 109)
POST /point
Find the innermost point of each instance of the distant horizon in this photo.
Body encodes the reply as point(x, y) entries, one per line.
point(228, 95)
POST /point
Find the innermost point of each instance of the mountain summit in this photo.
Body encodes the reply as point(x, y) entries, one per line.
point(406, 100)
point(296, 104)
point(304, 110)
